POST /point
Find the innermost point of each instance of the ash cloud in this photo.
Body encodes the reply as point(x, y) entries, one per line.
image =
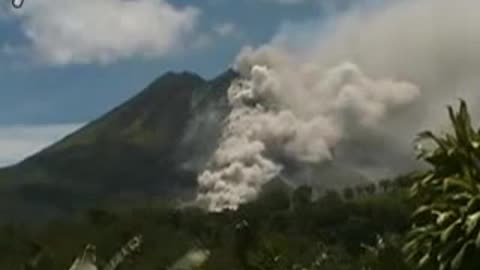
point(288, 112)
point(364, 86)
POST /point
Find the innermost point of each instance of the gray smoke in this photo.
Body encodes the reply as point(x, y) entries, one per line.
point(353, 87)
point(293, 113)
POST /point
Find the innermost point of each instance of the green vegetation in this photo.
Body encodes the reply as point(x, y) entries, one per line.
point(446, 230)
point(130, 153)
point(425, 220)
point(278, 231)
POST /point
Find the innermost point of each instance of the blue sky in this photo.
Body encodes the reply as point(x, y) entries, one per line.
point(65, 63)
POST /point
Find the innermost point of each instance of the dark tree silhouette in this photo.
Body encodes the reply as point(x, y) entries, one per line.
point(348, 193)
point(385, 184)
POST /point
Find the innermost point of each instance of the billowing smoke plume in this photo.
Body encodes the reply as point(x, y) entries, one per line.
point(271, 116)
point(345, 87)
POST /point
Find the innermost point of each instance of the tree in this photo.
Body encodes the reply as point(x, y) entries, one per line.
point(274, 199)
point(348, 193)
point(302, 196)
point(384, 184)
point(331, 196)
point(244, 239)
point(385, 254)
point(445, 233)
point(370, 188)
point(405, 180)
point(359, 190)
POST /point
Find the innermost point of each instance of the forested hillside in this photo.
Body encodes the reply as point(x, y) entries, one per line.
point(422, 220)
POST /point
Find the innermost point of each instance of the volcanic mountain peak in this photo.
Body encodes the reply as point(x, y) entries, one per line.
point(150, 147)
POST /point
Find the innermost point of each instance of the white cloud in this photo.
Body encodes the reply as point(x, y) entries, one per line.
point(92, 31)
point(225, 29)
point(20, 141)
point(202, 41)
point(289, 2)
point(220, 31)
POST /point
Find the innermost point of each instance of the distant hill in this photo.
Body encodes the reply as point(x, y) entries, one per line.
point(150, 147)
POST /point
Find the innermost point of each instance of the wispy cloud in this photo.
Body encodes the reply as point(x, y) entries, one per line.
point(226, 29)
point(91, 31)
point(20, 141)
point(288, 2)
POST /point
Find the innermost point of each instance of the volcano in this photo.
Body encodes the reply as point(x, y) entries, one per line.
point(150, 148)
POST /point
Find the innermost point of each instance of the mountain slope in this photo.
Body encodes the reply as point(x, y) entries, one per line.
point(149, 148)
point(129, 153)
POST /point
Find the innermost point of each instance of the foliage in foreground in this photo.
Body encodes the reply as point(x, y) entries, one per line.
point(297, 230)
point(446, 229)
point(360, 228)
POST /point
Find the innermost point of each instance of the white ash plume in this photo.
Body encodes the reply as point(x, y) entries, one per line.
point(282, 108)
point(370, 123)
point(431, 43)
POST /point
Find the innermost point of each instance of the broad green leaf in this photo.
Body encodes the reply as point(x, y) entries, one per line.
point(459, 258)
point(477, 240)
point(475, 144)
point(411, 257)
point(423, 231)
point(451, 182)
point(472, 222)
point(422, 210)
point(411, 245)
point(449, 248)
point(462, 196)
point(444, 217)
point(450, 231)
point(424, 261)
point(473, 205)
